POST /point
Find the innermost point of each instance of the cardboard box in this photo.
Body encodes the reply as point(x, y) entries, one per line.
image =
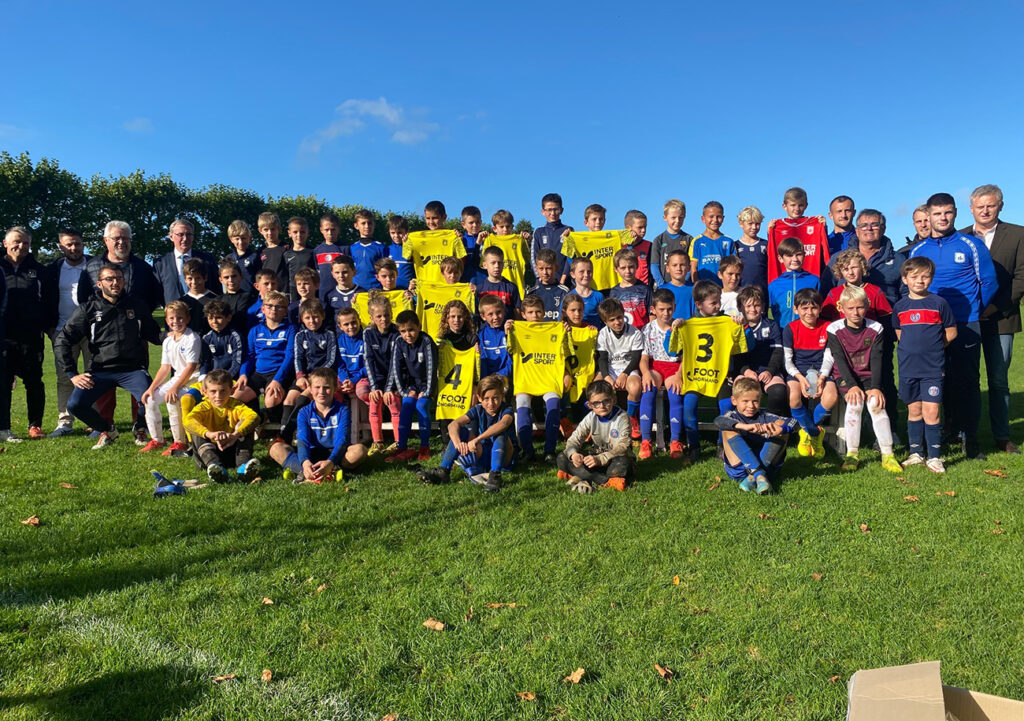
point(916, 693)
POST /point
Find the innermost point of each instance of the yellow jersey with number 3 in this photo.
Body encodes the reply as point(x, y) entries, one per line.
point(600, 247)
point(396, 298)
point(583, 363)
point(431, 299)
point(706, 346)
point(515, 258)
point(427, 248)
point(457, 371)
point(539, 352)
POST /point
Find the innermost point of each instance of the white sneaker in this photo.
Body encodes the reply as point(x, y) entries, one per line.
point(105, 439)
point(9, 437)
point(64, 429)
point(914, 459)
point(935, 465)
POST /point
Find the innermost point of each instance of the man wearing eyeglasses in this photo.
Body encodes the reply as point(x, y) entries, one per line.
point(169, 267)
point(883, 260)
point(117, 326)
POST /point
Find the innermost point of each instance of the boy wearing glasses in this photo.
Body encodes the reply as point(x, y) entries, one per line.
point(610, 461)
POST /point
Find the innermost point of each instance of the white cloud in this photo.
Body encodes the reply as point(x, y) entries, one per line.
point(355, 115)
point(138, 125)
point(9, 131)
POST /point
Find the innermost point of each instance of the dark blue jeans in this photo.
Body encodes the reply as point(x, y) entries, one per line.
point(998, 349)
point(82, 401)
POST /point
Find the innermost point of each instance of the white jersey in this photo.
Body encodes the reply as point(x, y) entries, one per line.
point(179, 353)
point(729, 306)
point(654, 343)
point(619, 348)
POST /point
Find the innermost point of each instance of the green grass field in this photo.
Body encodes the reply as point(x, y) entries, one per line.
point(122, 606)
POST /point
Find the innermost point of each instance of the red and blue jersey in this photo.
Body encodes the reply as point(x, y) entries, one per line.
point(503, 289)
point(324, 255)
point(804, 347)
point(636, 300)
point(642, 248)
point(922, 323)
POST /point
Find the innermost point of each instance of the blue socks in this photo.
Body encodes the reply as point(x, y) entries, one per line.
point(675, 415)
point(690, 420)
point(747, 457)
point(498, 445)
point(292, 464)
point(819, 413)
point(647, 413)
point(915, 437)
point(803, 417)
point(448, 459)
point(632, 408)
point(524, 427)
point(551, 419)
point(933, 439)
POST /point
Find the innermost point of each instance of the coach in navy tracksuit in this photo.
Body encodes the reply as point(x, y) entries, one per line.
point(966, 279)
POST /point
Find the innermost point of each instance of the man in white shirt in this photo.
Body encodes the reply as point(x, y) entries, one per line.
point(62, 277)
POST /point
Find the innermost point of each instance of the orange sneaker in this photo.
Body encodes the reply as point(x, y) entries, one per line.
point(176, 446)
point(563, 476)
point(567, 427)
point(645, 450)
point(634, 429)
point(675, 450)
point(35, 433)
point(424, 454)
point(619, 484)
point(151, 446)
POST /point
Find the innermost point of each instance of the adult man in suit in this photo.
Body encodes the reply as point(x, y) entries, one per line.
point(60, 281)
point(1001, 319)
point(168, 267)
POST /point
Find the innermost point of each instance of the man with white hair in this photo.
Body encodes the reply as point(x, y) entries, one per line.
point(169, 267)
point(1001, 319)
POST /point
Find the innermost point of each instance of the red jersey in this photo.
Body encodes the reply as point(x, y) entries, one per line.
point(642, 248)
point(878, 304)
point(808, 230)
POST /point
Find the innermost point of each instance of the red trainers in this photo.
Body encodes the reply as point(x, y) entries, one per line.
point(424, 454)
point(151, 446)
point(634, 429)
point(566, 427)
point(401, 456)
point(176, 446)
point(645, 450)
point(619, 484)
point(35, 433)
point(675, 450)
point(563, 476)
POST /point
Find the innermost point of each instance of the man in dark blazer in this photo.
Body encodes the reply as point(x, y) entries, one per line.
point(168, 266)
point(1001, 319)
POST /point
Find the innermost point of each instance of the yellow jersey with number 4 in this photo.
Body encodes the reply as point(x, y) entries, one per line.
point(431, 299)
point(539, 352)
point(706, 346)
point(457, 371)
point(600, 247)
point(427, 248)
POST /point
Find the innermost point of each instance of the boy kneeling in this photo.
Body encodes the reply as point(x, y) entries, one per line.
point(610, 462)
point(754, 440)
point(482, 441)
point(222, 430)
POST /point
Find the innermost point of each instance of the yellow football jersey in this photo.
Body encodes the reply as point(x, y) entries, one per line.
point(431, 299)
point(396, 298)
point(600, 247)
point(705, 346)
point(457, 371)
point(539, 352)
point(583, 363)
point(515, 258)
point(427, 248)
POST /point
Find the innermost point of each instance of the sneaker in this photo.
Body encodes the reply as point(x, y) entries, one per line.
point(566, 427)
point(563, 476)
point(803, 447)
point(851, 462)
point(176, 446)
point(763, 486)
point(105, 439)
point(376, 448)
point(818, 444)
point(550, 459)
point(152, 445)
point(64, 429)
point(914, 459)
point(401, 456)
point(634, 429)
point(8, 437)
point(141, 436)
point(249, 472)
point(675, 450)
point(889, 463)
point(289, 475)
point(972, 450)
point(493, 484)
point(434, 475)
point(93, 435)
point(935, 465)
point(423, 454)
point(390, 448)
point(619, 484)
point(692, 455)
point(748, 484)
point(35, 433)
point(217, 474)
point(643, 455)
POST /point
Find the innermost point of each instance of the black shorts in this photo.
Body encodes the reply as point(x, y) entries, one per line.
point(258, 382)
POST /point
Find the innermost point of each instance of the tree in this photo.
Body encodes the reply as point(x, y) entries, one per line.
point(43, 198)
point(149, 204)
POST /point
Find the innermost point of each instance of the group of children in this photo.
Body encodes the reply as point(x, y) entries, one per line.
point(614, 327)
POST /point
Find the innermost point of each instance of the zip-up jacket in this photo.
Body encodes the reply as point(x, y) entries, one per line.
point(270, 352)
point(377, 351)
point(351, 358)
point(884, 268)
point(414, 366)
point(117, 333)
point(329, 433)
point(494, 355)
point(139, 280)
point(782, 293)
point(223, 351)
point(27, 297)
point(964, 274)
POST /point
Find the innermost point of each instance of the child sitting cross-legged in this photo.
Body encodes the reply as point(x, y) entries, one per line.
point(482, 441)
point(222, 431)
point(754, 440)
point(610, 461)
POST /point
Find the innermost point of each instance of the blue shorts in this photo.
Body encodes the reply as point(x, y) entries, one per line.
point(928, 390)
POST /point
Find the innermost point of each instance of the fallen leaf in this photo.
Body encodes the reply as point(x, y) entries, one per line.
point(469, 614)
point(390, 717)
point(833, 679)
point(321, 588)
point(755, 653)
point(500, 605)
point(995, 472)
point(3, 449)
point(225, 677)
point(266, 676)
point(998, 522)
point(675, 580)
point(998, 531)
point(950, 493)
point(67, 485)
point(911, 499)
point(526, 695)
point(433, 625)
point(665, 672)
point(267, 601)
point(765, 516)
point(864, 528)
point(696, 551)
point(900, 479)
point(718, 479)
point(714, 485)
point(31, 521)
point(816, 576)
point(574, 677)
point(699, 612)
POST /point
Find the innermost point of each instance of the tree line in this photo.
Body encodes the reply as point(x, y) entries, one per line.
point(44, 197)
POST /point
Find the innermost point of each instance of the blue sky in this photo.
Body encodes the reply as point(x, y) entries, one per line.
point(494, 104)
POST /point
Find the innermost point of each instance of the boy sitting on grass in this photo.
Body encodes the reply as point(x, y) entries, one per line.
point(489, 446)
point(222, 431)
point(322, 445)
point(755, 441)
point(610, 461)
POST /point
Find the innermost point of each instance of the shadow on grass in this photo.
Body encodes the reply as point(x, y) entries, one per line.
point(145, 695)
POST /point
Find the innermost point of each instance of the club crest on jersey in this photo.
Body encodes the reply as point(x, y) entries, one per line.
point(933, 391)
point(613, 433)
point(822, 341)
point(914, 317)
point(959, 257)
point(810, 230)
point(99, 317)
point(130, 314)
point(554, 337)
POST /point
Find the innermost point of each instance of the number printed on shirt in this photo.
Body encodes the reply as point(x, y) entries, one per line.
point(704, 352)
